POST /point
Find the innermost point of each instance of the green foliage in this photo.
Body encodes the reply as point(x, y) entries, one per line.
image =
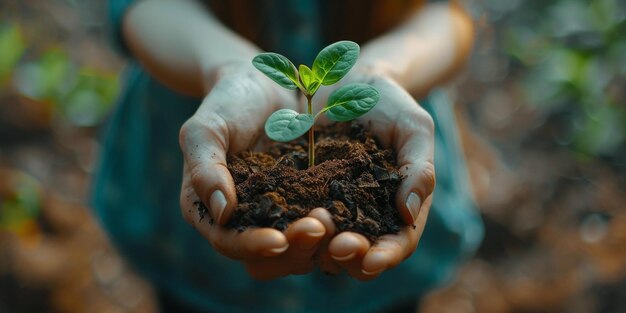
point(310, 83)
point(344, 104)
point(330, 65)
point(572, 61)
point(45, 78)
point(350, 102)
point(88, 101)
point(335, 61)
point(285, 125)
point(12, 47)
point(78, 95)
point(81, 96)
point(278, 68)
point(20, 205)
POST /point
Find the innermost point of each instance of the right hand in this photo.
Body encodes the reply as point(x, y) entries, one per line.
point(399, 123)
point(230, 119)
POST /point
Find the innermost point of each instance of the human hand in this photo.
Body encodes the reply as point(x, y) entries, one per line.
point(399, 122)
point(231, 119)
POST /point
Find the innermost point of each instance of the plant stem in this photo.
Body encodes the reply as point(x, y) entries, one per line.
point(311, 135)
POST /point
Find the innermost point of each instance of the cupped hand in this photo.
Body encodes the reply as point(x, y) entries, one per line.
point(400, 123)
point(230, 119)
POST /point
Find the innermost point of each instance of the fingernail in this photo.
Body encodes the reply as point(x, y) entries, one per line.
point(413, 203)
point(343, 258)
point(316, 234)
point(274, 251)
point(372, 273)
point(217, 204)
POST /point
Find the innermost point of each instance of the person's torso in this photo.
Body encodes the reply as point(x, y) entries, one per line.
point(300, 28)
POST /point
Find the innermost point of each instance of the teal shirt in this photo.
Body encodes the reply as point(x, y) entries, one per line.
point(136, 199)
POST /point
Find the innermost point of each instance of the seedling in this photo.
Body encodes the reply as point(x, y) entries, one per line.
point(330, 65)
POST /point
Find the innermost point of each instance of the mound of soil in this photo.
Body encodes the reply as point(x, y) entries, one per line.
point(353, 178)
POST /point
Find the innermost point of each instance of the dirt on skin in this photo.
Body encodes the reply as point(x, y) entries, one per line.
point(353, 178)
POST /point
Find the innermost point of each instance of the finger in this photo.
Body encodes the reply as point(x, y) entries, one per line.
point(324, 259)
point(414, 140)
point(305, 234)
point(204, 145)
point(251, 244)
point(348, 250)
point(348, 246)
point(389, 251)
point(322, 215)
point(392, 249)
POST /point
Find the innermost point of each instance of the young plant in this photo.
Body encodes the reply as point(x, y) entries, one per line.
point(330, 65)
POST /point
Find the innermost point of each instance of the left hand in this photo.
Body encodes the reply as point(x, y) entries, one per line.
point(399, 122)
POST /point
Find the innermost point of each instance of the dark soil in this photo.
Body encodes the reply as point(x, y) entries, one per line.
point(353, 178)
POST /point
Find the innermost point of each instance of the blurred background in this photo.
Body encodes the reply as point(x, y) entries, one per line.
point(542, 109)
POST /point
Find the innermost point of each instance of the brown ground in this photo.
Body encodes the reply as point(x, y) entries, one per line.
point(353, 177)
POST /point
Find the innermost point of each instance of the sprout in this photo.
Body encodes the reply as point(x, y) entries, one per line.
point(330, 66)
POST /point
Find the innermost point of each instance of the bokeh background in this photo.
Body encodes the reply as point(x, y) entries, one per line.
point(542, 111)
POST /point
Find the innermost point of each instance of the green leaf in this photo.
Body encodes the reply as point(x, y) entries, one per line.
point(13, 47)
point(310, 82)
point(305, 75)
point(22, 202)
point(335, 61)
point(278, 68)
point(350, 102)
point(47, 77)
point(286, 125)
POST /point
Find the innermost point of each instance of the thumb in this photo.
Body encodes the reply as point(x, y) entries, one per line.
point(204, 143)
point(415, 142)
point(417, 186)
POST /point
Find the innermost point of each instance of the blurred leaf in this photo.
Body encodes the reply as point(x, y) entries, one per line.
point(602, 130)
point(606, 14)
point(21, 204)
point(12, 47)
point(46, 78)
point(616, 58)
point(90, 98)
point(527, 45)
point(563, 65)
point(595, 77)
point(567, 18)
point(81, 96)
point(572, 63)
